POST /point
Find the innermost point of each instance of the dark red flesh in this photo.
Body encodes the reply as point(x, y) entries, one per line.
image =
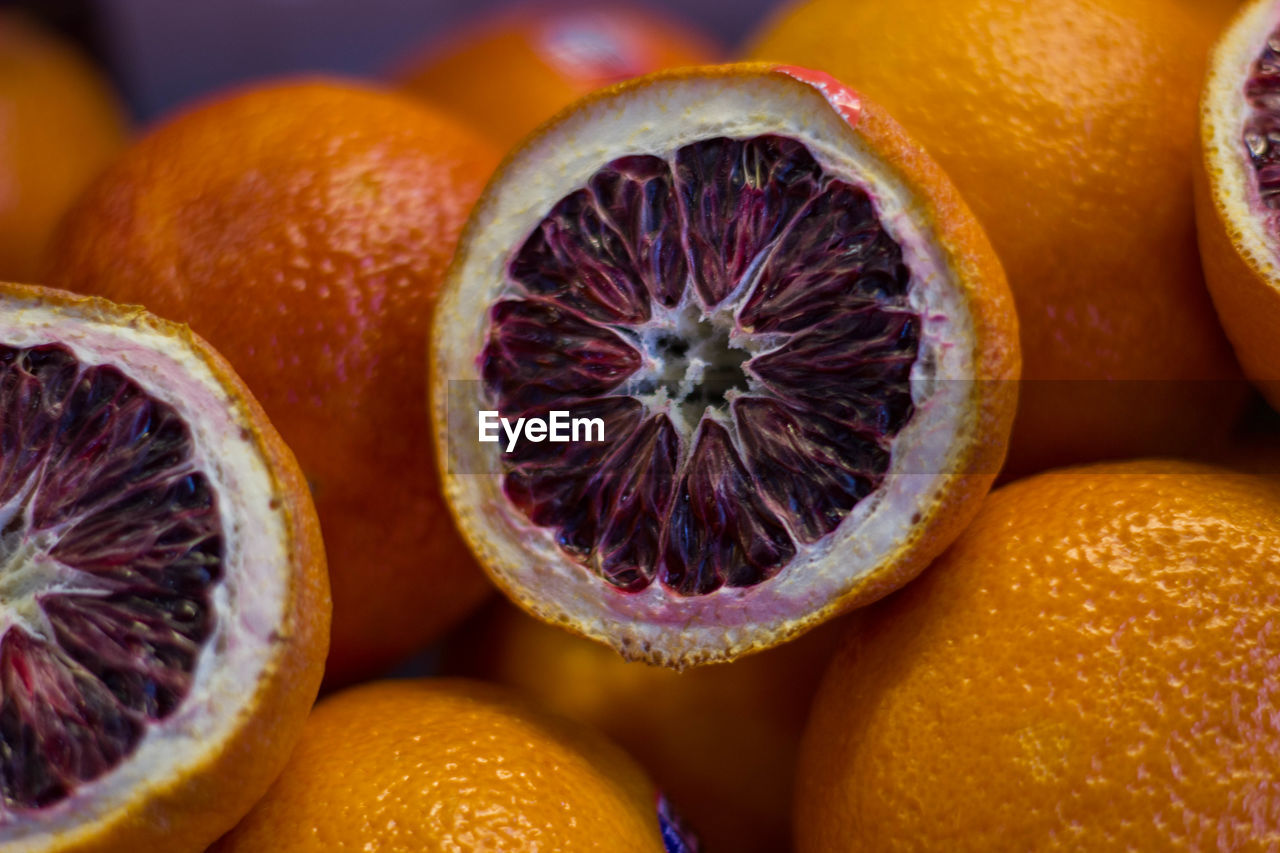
point(107, 487)
point(1262, 127)
point(791, 439)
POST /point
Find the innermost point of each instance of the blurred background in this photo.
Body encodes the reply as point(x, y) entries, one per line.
point(161, 53)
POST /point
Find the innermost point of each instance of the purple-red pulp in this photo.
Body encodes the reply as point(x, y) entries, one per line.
point(1262, 127)
point(110, 550)
point(740, 321)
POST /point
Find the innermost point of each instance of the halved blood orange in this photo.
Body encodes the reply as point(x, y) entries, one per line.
point(794, 334)
point(1238, 189)
point(164, 607)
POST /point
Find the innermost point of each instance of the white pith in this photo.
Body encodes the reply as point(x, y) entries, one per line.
point(656, 623)
point(1225, 111)
point(249, 602)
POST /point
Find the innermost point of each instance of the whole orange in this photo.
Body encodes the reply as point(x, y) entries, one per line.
point(721, 740)
point(1069, 127)
point(442, 764)
point(59, 126)
point(512, 72)
point(1092, 666)
point(303, 228)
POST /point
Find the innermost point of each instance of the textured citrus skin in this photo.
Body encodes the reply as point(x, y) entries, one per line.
point(1092, 666)
point(505, 78)
point(721, 741)
point(303, 228)
point(1069, 128)
point(59, 126)
point(444, 764)
point(187, 813)
point(1246, 295)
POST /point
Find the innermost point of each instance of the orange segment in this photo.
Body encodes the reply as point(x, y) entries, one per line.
point(164, 607)
point(448, 764)
point(60, 126)
point(304, 227)
point(1091, 666)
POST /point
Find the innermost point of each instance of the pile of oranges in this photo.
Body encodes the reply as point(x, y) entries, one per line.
point(1091, 665)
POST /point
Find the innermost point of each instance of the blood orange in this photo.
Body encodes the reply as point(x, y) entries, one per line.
point(164, 608)
point(793, 336)
point(514, 71)
point(1091, 666)
point(303, 227)
point(721, 741)
point(1236, 189)
point(60, 125)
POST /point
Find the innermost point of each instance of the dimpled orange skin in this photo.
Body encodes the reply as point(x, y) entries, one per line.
point(303, 228)
point(449, 764)
point(1069, 128)
point(504, 77)
point(59, 126)
point(202, 802)
point(1091, 666)
point(721, 741)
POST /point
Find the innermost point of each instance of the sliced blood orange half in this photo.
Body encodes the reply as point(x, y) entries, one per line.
point(164, 607)
point(794, 334)
point(1238, 189)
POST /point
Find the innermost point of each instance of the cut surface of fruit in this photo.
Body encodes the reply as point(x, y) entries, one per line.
point(515, 70)
point(452, 764)
point(792, 333)
point(163, 600)
point(1091, 666)
point(326, 210)
point(1063, 123)
point(1238, 189)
